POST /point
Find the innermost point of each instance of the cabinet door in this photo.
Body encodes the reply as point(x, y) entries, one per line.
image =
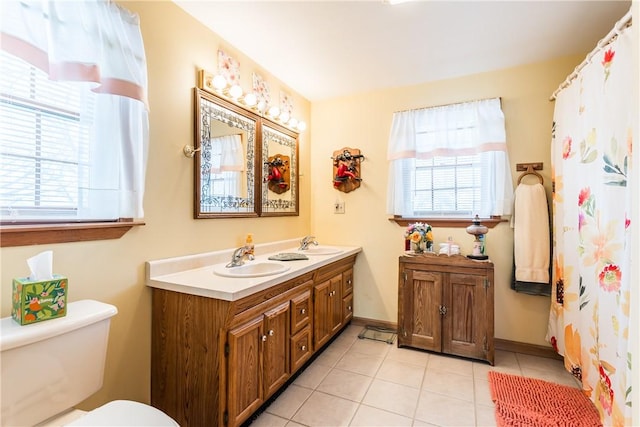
point(422, 299)
point(276, 348)
point(464, 324)
point(244, 370)
point(321, 330)
point(335, 303)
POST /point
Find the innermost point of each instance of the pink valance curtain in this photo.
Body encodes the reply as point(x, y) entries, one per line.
point(593, 227)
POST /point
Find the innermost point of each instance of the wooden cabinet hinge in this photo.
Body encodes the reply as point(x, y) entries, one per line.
point(486, 283)
point(485, 346)
point(226, 349)
point(404, 274)
point(225, 418)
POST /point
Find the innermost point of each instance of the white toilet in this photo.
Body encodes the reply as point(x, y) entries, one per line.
point(49, 367)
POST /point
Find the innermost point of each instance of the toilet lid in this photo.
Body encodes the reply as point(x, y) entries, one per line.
point(125, 413)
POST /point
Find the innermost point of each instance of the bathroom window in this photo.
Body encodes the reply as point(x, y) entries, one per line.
point(449, 162)
point(74, 121)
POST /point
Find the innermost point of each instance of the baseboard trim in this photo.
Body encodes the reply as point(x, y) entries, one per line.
point(525, 348)
point(498, 343)
point(361, 321)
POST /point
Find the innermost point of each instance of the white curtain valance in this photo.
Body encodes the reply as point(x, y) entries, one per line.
point(91, 41)
point(451, 130)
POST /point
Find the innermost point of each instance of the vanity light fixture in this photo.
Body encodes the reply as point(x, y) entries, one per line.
point(218, 84)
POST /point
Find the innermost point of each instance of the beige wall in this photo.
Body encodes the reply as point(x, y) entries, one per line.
point(113, 270)
point(363, 121)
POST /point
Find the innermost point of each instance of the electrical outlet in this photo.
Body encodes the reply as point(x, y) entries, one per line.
point(338, 208)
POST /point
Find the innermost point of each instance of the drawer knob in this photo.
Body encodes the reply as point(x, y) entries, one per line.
point(349, 282)
point(264, 338)
point(303, 348)
point(271, 332)
point(349, 308)
point(303, 311)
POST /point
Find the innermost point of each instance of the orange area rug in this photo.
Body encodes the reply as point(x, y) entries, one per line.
point(530, 402)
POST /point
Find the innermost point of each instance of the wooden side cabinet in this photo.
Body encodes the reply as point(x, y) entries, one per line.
point(445, 304)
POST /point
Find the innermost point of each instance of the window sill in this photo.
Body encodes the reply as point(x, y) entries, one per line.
point(448, 222)
point(38, 234)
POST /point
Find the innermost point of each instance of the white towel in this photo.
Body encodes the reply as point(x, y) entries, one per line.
point(531, 234)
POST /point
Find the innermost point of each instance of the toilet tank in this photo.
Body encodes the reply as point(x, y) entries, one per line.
point(48, 367)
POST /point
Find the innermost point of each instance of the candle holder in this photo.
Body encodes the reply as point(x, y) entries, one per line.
point(477, 230)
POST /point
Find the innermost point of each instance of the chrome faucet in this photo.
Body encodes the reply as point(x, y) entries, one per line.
point(306, 241)
point(237, 259)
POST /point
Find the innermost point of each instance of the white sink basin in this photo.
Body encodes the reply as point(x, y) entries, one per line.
point(252, 269)
point(320, 250)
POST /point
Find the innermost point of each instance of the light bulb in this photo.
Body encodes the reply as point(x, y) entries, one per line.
point(261, 105)
point(293, 122)
point(284, 117)
point(274, 111)
point(235, 91)
point(219, 82)
point(250, 99)
point(302, 126)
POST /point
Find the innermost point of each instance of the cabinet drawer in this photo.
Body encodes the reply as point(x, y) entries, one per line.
point(300, 311)
point(347, 308)
point(300, 348)
point(347, 282)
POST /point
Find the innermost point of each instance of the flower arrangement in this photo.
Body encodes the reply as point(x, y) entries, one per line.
point(420, 237)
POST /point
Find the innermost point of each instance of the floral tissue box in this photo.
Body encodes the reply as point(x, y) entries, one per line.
point(35, 301)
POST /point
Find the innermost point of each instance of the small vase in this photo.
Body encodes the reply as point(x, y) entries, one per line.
point(419, 247)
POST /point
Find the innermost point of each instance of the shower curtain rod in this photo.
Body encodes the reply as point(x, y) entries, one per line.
point(615, 31)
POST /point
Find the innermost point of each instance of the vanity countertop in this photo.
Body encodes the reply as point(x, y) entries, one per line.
point(194, 274)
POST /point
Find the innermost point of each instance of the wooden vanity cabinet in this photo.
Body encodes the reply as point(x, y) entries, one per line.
point(445, 304)
point(215, 362)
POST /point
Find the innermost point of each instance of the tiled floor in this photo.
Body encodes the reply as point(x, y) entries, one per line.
point(361, 382)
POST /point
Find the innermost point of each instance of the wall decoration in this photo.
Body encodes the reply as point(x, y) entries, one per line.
point(346, 169)
point(279, 177)
point(261, 89)
point(286, 104)
point(229, 68)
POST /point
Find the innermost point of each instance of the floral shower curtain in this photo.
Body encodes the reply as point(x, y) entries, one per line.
point(591, 157)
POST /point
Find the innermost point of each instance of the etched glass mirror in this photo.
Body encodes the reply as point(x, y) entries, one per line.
point(279, 171)
point(225, 167)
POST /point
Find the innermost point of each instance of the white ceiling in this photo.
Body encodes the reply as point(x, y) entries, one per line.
point(325, 49)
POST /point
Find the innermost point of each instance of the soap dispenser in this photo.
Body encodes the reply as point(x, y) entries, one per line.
point(248, 243)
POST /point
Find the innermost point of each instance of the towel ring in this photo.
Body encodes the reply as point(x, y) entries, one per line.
point(530, 171)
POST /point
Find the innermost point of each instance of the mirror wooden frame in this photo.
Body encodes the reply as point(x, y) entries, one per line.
point(261, 200)
point(226, 112)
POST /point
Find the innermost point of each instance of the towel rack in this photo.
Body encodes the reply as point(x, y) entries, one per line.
point(529, 169)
